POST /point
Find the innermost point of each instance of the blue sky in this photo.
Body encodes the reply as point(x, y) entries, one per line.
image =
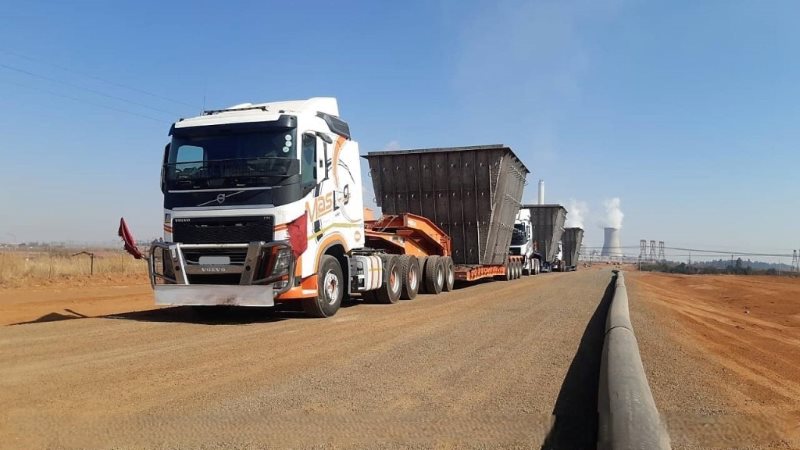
point(687, 111)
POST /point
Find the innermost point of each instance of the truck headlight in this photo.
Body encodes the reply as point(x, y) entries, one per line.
point(282, 261)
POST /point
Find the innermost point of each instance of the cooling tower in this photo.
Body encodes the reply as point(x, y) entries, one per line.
point(611, 247)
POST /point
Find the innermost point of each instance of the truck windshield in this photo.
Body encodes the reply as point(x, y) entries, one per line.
point(518, 235)
point(231, 160)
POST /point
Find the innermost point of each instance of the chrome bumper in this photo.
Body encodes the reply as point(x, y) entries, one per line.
point(258, 275)
point(214, 294)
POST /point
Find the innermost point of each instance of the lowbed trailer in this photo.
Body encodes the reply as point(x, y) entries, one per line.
point(263, 205)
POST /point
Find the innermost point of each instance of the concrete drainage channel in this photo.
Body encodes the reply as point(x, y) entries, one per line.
point(627, 414)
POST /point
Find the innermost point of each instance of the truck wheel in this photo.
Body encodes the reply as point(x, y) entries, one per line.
point(517, 270)
point(528, 268)
point(423, 260)
point(434, 275)
point(330, 289)
point(411, 277)
point(390, 291)
point(508, 276)
point(449, 274)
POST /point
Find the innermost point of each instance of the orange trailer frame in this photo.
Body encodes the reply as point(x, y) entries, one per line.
point(407, 234)
point(410, 234)
point(475, 273)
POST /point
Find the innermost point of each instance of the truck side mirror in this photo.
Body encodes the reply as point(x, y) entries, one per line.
point(164, 170)
point(325, 137)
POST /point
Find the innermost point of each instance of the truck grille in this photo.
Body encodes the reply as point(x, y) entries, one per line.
point(223, 230)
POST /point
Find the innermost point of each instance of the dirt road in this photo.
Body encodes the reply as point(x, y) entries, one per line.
point(480, 367)
point(722, 355)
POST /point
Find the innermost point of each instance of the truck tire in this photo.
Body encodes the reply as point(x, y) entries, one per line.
point(423, 260)
point(411, 277)
point(449, 274)
point(434, 275)
point(528, 268)
point(330, 289)
point(508, 276)
point(390, 291)
point(517, 270)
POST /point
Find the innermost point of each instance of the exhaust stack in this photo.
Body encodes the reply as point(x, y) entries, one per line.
point(541, 192)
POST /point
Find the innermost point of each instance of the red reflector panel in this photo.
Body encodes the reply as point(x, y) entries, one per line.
point(298, 237)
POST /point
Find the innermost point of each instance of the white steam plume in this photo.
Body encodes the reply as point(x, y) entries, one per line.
point(576, 213)
point(613, 213)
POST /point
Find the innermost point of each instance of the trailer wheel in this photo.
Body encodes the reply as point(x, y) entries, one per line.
point(390, 291)
point(330, 288)
point(411, 277)
point(449, 273)
point(423, 260)
point(434, 275)
point(517, 270)
point(508, 276)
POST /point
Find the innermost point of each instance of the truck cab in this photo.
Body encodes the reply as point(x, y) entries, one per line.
point(522, 243)
point(262, 203)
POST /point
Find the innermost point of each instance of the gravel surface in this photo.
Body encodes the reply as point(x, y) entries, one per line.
point(721, 377)
point(480, 367)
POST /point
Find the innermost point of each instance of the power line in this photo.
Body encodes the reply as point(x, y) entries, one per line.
point(95, 77)
point(93, 91)
point(783, 255)
point(81, 100)
point(713, 252)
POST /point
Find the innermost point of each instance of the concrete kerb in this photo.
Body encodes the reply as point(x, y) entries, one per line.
point(627, 414)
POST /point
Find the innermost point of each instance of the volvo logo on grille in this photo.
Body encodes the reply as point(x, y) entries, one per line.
point(221, 198)
point(214, 269)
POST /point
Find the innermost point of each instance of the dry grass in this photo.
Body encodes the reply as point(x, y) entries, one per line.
point(17, 267)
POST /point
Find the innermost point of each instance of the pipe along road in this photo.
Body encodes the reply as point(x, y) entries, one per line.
point(500, 364)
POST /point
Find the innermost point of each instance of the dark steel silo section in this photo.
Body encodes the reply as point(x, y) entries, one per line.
point(572, 239)
point(472, 193)
point(547, 222)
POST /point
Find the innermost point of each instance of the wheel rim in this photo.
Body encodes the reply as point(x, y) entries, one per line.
point(451, 276)
point(412, 280)
point(394, 281)
point(439, 277)
point(331, 287)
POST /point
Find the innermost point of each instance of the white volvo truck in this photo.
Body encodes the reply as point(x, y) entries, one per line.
point(522, 243)
point(263, 203)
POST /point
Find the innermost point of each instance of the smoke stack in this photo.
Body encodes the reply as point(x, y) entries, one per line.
point(611, 247)
point(541, 192)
